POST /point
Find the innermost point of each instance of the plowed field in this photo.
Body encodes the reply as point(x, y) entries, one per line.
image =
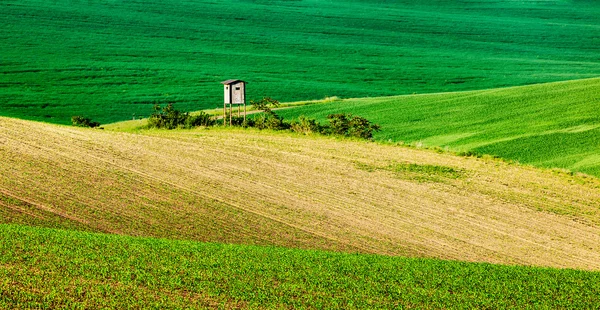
point(245, 186)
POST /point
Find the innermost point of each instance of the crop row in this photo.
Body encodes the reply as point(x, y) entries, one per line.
point(554, 125)
point(55, 268)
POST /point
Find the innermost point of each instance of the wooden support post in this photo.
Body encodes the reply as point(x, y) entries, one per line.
point(244, 112)
point(239, 110)
point(230, 114)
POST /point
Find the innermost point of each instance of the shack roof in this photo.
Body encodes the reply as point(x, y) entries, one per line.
point(229, 82)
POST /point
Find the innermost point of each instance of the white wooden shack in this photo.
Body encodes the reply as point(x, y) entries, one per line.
point(235, 94)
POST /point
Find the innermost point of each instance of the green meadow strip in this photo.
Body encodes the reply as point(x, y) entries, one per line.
point(554, 125)
point(46, 268)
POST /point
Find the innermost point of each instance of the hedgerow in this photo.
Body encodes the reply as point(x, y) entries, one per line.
point(341, 124)
point(171, 118)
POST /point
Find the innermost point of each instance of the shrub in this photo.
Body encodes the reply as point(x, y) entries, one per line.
point(468, 154)
point(248, 123)
point(360, 127)
point(306, 125)
point(81, 121)
point(343, 124)
point(265, 104)
point(346, 124)
point(339, 124)
point(270, 121)
point(202, 119)
point(170, 118)
point(234, 120)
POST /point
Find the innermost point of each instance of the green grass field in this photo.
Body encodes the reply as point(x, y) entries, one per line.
point(554, 125)
point(240, 218)
point(110, 59)
point(45, 268)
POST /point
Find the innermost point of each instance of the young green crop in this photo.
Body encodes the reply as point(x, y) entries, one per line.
point(65, 269)
point(112, 60)
point(554, 125)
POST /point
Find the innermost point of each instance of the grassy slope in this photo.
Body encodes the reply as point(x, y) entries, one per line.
point(255, 187)
point(109, 59)
point(65, 269)
point(547, 125)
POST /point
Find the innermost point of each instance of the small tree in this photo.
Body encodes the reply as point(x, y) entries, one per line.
point(269, 119)
point(346, 124)
point(81, 121)
point(173, 118)
point(339, 123)
point(265, 104)
point(360, 127)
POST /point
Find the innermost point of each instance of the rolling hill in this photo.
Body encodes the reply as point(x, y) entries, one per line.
point(109, 60)
point(251, 187)
point(239, 218)
point(553, 125)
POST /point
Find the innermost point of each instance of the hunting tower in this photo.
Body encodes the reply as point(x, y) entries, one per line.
point(235, 94)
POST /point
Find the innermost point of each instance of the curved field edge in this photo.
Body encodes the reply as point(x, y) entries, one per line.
point(63, 269)
point(252, 187)
point(553, 125)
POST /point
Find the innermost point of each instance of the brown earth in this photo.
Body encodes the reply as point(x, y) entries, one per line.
point(246, 186)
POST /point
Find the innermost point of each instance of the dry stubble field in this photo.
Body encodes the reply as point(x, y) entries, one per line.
point(246, 186)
